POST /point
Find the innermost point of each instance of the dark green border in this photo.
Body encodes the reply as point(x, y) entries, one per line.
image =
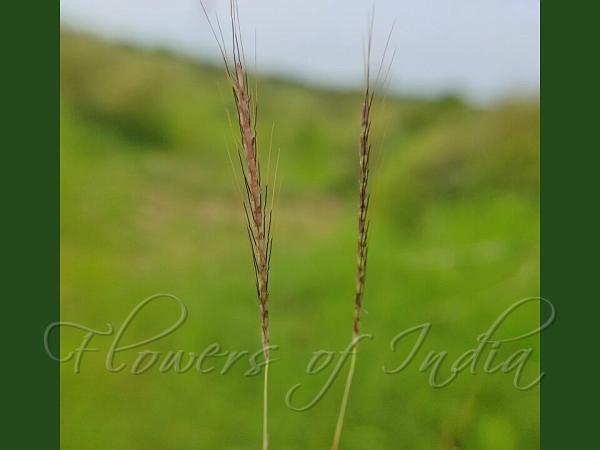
point(569, 263)
point(30, 192)
point(30, 215)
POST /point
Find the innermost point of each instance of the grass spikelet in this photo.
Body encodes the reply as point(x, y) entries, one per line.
point(257, 209)
point(364, 198)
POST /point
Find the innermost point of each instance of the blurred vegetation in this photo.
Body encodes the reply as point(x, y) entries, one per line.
point(148, 204)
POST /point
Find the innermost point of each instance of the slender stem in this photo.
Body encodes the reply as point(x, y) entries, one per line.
point(266, 404)
point(362, 247)
point(340, 422)
point(258, 216)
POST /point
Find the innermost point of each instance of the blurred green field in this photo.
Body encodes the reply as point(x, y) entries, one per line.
point(148, 205)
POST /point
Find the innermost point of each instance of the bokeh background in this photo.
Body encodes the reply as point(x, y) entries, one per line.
point(149, 204)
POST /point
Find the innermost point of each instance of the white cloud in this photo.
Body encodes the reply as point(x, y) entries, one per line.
point(482, 48)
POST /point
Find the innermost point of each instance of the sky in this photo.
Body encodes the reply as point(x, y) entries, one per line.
point(484, 50)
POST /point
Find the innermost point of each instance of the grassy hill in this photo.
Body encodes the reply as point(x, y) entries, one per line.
point(148, 204)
